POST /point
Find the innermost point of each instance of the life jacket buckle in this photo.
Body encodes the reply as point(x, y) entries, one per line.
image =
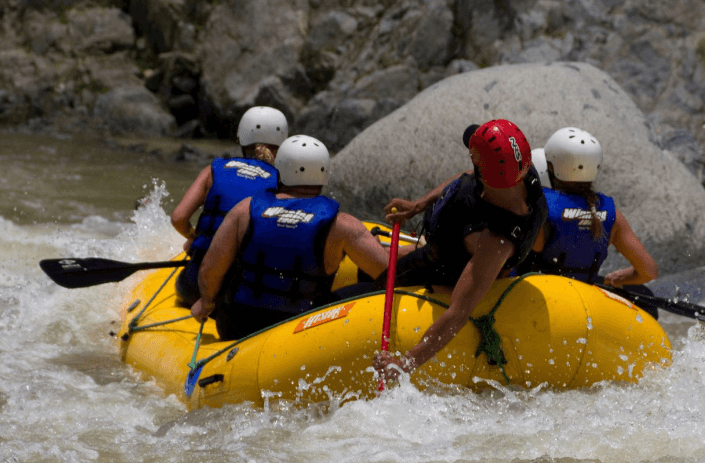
point(516, 232)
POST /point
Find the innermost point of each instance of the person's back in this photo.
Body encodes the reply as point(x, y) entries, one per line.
point(281, 263)
point(232, 181)
point(223, 184)
point(573, 249)
point(282, 250)
point(583, 223)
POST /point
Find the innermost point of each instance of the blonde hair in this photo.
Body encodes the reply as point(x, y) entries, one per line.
point(264, 153)
point(260, 151)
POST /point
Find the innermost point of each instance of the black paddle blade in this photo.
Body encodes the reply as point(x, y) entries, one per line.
point(73, 272)
point(81, 273)
point(645, 300)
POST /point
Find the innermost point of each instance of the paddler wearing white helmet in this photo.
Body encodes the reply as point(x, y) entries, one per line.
point(223, 184)
point(582, 223)
point(282, 249)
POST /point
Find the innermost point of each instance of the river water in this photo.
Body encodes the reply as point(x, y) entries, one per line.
point(66, 397)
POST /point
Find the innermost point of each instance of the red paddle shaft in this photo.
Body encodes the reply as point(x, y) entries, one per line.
point(389, 295)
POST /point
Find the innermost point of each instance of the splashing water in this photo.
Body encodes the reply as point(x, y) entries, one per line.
point(65, 395)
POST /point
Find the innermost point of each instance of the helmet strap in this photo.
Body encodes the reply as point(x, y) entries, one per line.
point(476, 171)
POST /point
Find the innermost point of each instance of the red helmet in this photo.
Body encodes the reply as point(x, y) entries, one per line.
point(501, 152)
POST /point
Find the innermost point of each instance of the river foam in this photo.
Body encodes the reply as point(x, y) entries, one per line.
point(66, 397)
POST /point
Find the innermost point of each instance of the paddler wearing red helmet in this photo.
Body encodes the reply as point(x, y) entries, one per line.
point(477, 226)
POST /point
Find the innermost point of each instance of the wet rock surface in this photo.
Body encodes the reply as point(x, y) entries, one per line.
point(339, 68)
point(418, 146)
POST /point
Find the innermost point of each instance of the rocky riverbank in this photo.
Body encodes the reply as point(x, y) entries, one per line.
point(190, 68)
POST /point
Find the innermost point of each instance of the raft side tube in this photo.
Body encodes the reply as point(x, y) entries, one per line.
point(624, 339)
point(553, 330)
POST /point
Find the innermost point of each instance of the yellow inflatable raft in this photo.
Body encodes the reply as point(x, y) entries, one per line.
point(553, 330)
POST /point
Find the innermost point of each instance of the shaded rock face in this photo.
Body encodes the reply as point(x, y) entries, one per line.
point(58, 59)
point(419, 145)
point(250, 57)
point(335, 67)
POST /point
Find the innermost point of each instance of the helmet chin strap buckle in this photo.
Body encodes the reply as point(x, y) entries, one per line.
point(516, 232)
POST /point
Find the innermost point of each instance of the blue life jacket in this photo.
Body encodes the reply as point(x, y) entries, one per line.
point(280, 264)
point(460, 210)
point(233, 180)
point(570, 249)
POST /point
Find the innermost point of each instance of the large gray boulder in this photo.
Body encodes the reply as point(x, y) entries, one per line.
point(133, 110)
point(419, 145)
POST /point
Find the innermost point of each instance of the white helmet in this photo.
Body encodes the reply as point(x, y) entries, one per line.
point(262, 124)
point(538, 158)
point(302, 160)
point(575, 154)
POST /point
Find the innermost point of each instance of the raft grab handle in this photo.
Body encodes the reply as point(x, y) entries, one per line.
point(210, 380)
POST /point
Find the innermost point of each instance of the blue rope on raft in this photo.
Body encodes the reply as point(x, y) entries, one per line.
point(134, 327)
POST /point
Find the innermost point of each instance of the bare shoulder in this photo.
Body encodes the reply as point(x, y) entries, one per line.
point(349, 225)
point(620, 221)
point(235, 222)
point(619, 217)
point(240, 212)
point(205, 178)
point(207, 170)
point(206, 173)
point(348, 220)
point(621, 227)
point(242, 207)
